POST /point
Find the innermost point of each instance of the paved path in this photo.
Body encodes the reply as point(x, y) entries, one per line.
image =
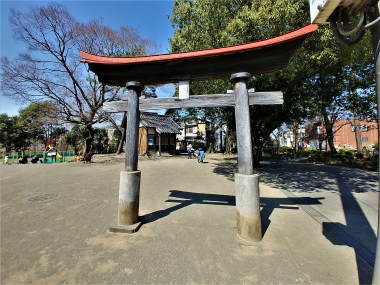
point(347, 201)
point(54, 220)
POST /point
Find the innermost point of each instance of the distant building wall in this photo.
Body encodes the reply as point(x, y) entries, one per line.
point(149, 141)
point(344, 135)
point(192, 132)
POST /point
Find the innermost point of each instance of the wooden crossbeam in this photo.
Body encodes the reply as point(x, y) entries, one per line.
point(209, 100)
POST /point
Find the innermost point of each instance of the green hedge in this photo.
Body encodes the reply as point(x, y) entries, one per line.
point(344, 157)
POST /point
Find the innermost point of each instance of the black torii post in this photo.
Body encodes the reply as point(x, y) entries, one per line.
point(129, 187)
point(246, 182)
point(257, 57)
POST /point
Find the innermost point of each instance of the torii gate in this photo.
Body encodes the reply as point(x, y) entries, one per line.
point(235, 62)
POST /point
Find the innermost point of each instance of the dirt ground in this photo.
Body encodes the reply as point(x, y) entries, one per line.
point(54, 221)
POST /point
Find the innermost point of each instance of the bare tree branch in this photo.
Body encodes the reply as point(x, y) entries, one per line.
point(52, 71)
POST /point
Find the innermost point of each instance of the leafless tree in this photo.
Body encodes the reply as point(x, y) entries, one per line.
point(52, 71)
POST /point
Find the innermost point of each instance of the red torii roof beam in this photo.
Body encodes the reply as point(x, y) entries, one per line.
point(256, 57)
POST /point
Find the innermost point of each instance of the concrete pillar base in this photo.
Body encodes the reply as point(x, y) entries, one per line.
point(125, 229)
point(129, 194)
point(241, 241)
point(248, 207)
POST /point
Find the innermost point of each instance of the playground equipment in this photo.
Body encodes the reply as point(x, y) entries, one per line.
point(13, 157)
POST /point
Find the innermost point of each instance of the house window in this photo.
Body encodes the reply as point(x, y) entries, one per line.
point(365, 139)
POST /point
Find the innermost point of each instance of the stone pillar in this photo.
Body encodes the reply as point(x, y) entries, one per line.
point(129, 187)
point(133, 122)
point(246, 183)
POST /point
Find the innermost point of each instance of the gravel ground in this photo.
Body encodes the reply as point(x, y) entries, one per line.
point(54, 221)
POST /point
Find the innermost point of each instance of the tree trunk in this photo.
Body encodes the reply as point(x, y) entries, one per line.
point(320, 143)
point(88, 145)
point(229, 142)
point(358, 134)
point(121, 142)
point(277, 145)
point(295, 137)
point(210, 148)
point(222, 145)
point(159, 144)
point(330, 140)
point(329, 131)
point(123, 132)
point(257, 154)
point(210, 137)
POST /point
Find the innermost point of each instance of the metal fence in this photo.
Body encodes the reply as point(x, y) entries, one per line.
point(14, 157)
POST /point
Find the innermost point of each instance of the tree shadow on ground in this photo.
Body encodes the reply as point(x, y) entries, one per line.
point(299, 178)
point(304, 177)
point(268, 205)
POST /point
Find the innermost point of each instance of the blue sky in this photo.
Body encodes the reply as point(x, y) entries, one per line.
point(149, 18)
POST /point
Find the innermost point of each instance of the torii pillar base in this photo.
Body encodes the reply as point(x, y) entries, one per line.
point(125, 229)
point(128, 209)
point(248, 207)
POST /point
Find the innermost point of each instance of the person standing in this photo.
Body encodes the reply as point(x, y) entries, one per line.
point(201, 155)
point(189, 151)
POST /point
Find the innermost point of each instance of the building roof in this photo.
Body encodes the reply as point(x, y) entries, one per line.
point(163, 124)
point(255, 57)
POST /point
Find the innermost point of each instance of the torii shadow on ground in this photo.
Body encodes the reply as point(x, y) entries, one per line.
point(356, 223)
point(268, 205)
point(302, 178)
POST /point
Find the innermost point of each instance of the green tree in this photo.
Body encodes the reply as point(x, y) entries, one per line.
point(101, 141)
point(12, 134)
point(215, 23)
point(41, 121)
point(76, 138)
point(360, 96)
